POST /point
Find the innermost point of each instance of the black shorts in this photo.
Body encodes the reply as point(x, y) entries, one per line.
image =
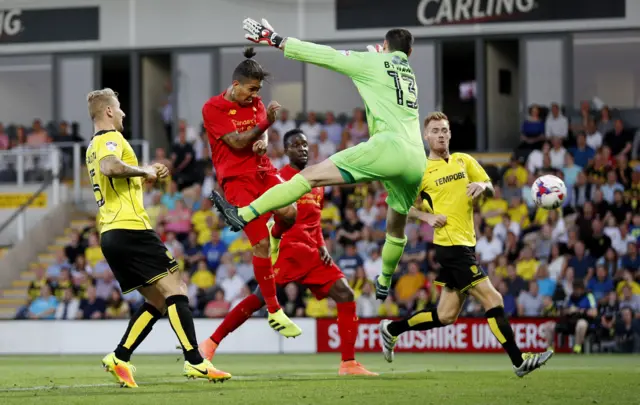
point(459, 268)
point(137, 258)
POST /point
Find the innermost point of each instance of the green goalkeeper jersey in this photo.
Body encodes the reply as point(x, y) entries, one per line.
point(384, 80)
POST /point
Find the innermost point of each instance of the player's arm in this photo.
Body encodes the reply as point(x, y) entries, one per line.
point(434, 220)
point(219, 126)
point(109, 149)
point(480, 180)
point(345, 62)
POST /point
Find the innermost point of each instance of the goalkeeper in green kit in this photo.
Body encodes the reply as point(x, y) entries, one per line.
point(394, 154)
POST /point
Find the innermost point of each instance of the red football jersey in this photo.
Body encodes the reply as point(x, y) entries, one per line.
point(222, 117)
point(307, 230)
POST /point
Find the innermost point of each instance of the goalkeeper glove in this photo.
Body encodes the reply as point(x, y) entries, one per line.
point(374, 48)
point(261, 33)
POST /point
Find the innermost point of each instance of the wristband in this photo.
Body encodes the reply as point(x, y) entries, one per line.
point(264, 124)
point(277, 40)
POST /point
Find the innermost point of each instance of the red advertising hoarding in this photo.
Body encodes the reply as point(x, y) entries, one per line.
point(467, 335)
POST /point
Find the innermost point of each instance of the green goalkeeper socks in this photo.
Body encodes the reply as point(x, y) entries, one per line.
point(391, 254)
point(276, 197)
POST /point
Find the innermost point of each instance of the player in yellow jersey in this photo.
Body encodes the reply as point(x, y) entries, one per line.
point(138, 258)
point(450, 184)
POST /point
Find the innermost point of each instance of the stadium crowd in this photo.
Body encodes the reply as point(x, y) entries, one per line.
point(578, 262)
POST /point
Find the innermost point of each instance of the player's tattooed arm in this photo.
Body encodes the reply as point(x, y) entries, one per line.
point(240, 140)
point(489, 190)
point(111, 166)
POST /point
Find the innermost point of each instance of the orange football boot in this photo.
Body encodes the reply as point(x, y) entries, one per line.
point(352, 367)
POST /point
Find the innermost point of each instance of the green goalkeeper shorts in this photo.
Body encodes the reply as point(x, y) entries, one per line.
point(385, 157)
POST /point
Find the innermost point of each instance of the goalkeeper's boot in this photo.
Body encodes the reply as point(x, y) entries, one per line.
point(228, 211)
point(274, 243)
point(352, 367)
point(381, 291)
point(121, 370)
point(205, 370)
point(532, 361)
point(281, 323)
point(207, 348)
point(387, 340)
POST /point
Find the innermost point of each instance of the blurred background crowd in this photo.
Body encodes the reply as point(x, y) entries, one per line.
point(581, 260)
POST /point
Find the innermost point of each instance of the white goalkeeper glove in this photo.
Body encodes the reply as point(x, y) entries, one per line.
point(375, 48)
point(261, 33)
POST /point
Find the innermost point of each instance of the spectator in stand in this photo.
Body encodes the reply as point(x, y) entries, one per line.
point(203, 278)
point(192, 252)
point(388, 309)
point(546, 284)
point(593, 136)
point(570, 171)
point(44, 306)
point(38, 135)
point(350, 260)
point(511, 188)
point(580, 311)
point(598, 243)
point(93, 252)
point(350, 230)
point(367, 304)
point(357, 130)
point(241, 244)
point(518, 213)
point(68, 307)
point(117, 307)
point(60, 262)
point(63, 282)
point(620, 237)
point(75, 247)
point(178, 221)
point(493, 207)
point(535, 160)
point(512, 247)
point(600, 285)
point(232, 284)
point(5, 142)
point(582, 263)
point(92, 307)
point(217, 308)
point(605, 123)
point(527, 265)
point(510, 306)
point(80, 266)
point(631, 260)
point(183, 159)
point(415, 250)
point(105, 285)
point(556, 262)
point(284, 124)
point(611, 186)
point(373, 264)
point(544, 241)
point(557, 125)
point(332, 129)
point(326, 147)
point(597, 170)
point(292, 302)
point(311, 128)
point(172, 195)
point(365, 245)
point(526, 193)
point(517, 170)
point(530, 301)
point(507, 225)
point(579, 121)
point(488, 247)
point(582, 191)
point(172, 243)
point(557, 153)
point(245, 268)
point(582, 152)
point(368, 212)
point(624, 172)
point(619, 139)
point(627, 332)
point(532, 131)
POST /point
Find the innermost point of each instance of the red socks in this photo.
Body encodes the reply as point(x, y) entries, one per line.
point(347, 329)
point(266, 280)
point(237, 317)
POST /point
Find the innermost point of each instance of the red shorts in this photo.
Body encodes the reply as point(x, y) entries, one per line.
point(242, 190)
point(303, 265)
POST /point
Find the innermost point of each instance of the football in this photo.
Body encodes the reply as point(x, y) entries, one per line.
point(548, 192)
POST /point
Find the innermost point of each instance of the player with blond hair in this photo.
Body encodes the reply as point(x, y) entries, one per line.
point(138, 258)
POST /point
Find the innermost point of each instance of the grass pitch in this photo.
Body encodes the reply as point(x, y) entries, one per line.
point(312, 379)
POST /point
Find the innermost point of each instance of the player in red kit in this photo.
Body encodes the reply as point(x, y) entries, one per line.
point(302, 258)
point(237, 122)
